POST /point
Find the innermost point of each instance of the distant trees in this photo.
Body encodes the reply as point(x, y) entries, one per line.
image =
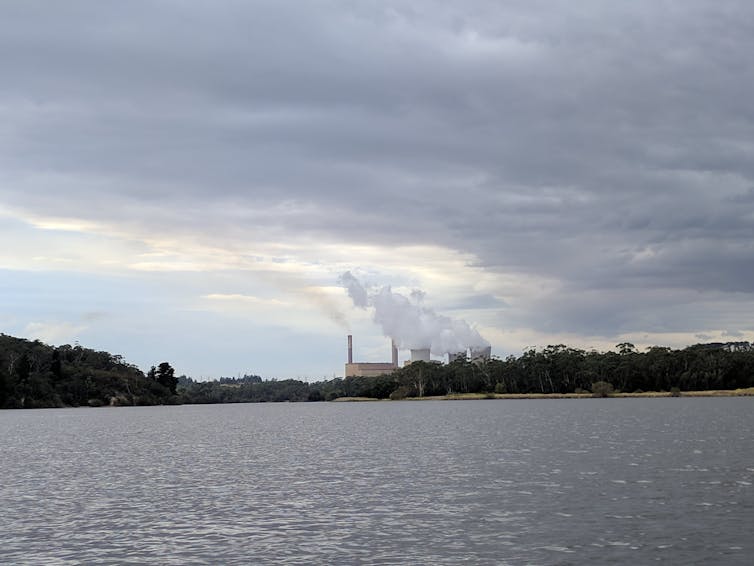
point(562, 369)
point(33, 374)
point(203, 392)
point(244, 379)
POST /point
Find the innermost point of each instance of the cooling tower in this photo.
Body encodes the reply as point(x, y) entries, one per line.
point(456, 356)
point(420, 355)
point(479, 355)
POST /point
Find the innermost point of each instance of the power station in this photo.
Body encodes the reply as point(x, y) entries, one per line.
point(369, 369)
point(372, 369)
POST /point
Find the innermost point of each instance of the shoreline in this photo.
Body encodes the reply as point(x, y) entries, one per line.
point(749, 392)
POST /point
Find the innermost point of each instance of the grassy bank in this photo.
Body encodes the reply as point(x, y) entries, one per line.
point(712, 393)
point(654, 394)
point(356, 399)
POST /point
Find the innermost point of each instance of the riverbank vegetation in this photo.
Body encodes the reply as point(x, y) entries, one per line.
point(33, 374)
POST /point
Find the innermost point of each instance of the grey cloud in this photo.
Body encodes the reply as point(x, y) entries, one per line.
point(607, 146)
point(485, 301)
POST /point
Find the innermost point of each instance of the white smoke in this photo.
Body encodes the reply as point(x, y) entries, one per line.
point(356, 290)
point(409, 322)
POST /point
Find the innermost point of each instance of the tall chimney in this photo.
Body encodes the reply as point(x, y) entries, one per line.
point(395, 353)
point(350, 349)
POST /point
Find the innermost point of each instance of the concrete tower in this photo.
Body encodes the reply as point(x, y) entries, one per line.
point(420, 355)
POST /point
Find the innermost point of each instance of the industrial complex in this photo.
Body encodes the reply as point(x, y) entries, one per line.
point(372, 369)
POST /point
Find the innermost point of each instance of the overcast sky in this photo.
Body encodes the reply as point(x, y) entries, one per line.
point(185, 181)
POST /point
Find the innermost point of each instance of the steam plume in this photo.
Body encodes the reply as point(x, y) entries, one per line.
point(411, 324)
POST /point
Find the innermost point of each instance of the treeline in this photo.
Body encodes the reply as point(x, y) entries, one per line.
point(555, 369)
point(560, 369)
point(33, 374)
point(248, 391)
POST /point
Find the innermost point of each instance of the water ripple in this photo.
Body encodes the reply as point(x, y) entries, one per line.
point(539, 482)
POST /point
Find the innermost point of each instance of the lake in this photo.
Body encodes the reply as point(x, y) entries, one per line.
point(590, 481)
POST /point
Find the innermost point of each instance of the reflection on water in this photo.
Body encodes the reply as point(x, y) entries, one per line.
point(613, 481)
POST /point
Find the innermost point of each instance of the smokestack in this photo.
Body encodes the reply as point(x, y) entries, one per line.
point(395, 353)
point(350, 349)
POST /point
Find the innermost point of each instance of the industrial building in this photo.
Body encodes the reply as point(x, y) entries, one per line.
point(369, 369)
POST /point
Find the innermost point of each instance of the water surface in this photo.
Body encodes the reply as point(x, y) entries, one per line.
point(595, 481)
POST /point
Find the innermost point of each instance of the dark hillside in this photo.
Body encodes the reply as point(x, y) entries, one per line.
point(33, 374)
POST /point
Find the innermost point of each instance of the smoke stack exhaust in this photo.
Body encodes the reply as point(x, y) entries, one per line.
point(395, 353)
point(350, 349)
point(409, 322)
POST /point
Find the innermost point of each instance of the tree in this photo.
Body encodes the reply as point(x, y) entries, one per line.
point(56, 367)
point(23, 368)
point(625, 348)
point(165, 376)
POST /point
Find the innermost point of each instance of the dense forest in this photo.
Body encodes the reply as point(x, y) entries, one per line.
point(33, 374)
